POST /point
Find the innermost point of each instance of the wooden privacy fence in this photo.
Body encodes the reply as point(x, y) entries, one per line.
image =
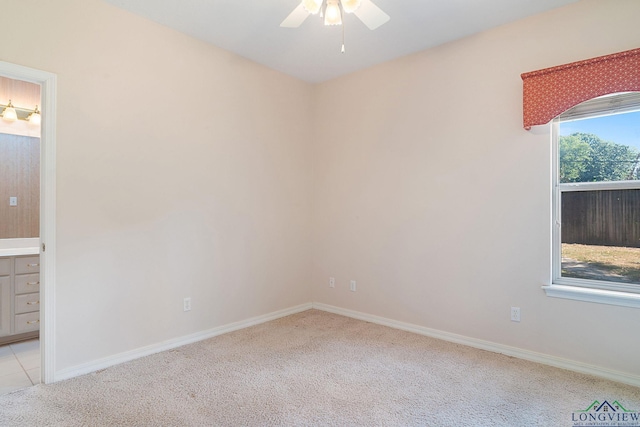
point(602, 217)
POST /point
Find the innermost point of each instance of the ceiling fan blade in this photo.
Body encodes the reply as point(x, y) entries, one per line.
point(371, 15)
point(295, 18)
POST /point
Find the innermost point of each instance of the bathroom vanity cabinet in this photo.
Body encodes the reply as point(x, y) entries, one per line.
point(19, 297)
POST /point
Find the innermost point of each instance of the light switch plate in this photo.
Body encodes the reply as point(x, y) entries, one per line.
point(13, 201)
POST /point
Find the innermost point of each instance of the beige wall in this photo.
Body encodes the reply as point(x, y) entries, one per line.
point(427, 190)
point(182, 170)
point(433, 197)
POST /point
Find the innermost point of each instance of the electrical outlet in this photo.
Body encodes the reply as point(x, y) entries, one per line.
point(515, 314)
point(352, 286)
point(187, 304)
point(332, 282)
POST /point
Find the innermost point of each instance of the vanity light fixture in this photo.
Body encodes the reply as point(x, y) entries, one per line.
point(12, 114)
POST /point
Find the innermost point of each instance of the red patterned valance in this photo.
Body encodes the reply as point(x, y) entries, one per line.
point(552, 91)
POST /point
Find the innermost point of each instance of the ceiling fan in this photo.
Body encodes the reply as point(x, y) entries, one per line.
point(332, 11)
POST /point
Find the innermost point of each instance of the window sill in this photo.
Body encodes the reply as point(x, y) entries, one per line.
point(624, 299)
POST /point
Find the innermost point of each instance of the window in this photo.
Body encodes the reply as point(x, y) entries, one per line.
point(596, 201)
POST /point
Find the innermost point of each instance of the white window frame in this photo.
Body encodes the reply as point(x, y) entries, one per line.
point(597, 291)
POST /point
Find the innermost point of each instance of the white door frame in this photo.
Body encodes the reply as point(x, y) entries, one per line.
point(47, 82)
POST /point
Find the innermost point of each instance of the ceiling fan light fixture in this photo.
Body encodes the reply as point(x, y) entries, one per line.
point(312, 6)
point(350, 6)
point(332, 13)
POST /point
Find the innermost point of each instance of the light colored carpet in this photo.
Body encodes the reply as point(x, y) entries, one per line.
point(317, 368)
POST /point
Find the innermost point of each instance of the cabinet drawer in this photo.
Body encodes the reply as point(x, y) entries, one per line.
point(27, 303)
point(30, 264)
point(27, 283)
point(27, 322)
point(5, 266)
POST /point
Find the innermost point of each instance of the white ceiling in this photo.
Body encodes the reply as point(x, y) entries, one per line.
point(251, 28)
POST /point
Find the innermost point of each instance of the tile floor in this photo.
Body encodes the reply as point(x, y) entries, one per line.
point(19, 365)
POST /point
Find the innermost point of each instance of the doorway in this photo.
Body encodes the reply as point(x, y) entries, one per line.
point(46, 243)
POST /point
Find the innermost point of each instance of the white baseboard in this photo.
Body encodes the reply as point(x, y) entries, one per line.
point(545, 359)
point(127, 356)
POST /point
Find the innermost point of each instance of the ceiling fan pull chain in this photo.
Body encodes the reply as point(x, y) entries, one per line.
point(343, 23)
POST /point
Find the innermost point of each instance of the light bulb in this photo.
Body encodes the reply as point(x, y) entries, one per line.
point(312, 6)
point(350, 6)
point(35, 118)
point(9, 113)
point(332, 15)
